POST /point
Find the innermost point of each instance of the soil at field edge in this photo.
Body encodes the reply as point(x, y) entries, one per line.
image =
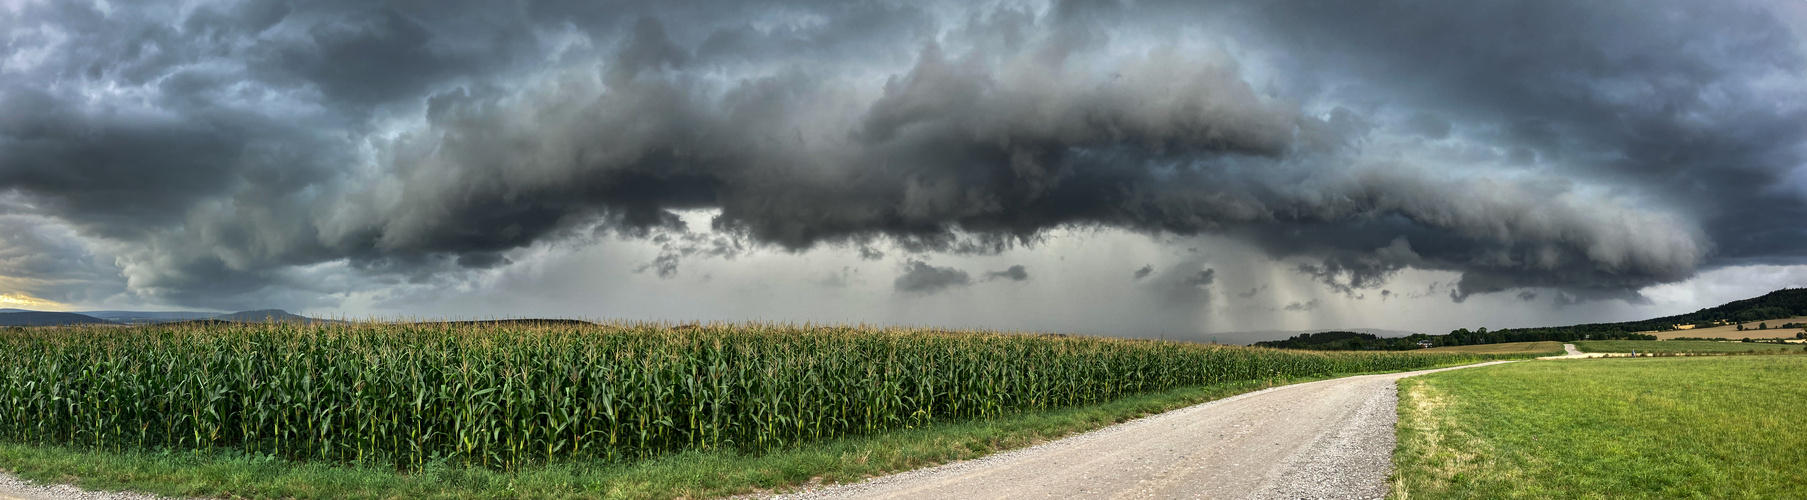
point(1326, 439)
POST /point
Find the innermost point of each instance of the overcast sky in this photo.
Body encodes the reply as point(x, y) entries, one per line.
point(1149, 168)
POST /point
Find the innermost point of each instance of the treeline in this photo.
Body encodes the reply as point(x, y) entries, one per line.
point(1356, 341)
point(1556, 333)
point(1345, 341)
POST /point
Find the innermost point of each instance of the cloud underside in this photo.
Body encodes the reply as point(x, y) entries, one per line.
point(922, 278)
point(232, 150)
point(918, 277)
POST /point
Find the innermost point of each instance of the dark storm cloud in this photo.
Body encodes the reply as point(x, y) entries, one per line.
point(48, 262)
point(372, 53)
point(840, 279)
point(1014, 273)
point(1203, 278)
point(1698, 102)
point(921, 278)
point(1348, 271)
point(1184, 286)
point(676, 242)
point(222, 150)
point(1427, 125)
point(1145, 271)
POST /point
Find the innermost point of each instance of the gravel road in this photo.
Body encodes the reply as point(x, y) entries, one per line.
point(12, 488)
point(1574, 353)
point(1326, 439)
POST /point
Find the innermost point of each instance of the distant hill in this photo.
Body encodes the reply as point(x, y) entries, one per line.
point(37, 318)
point(262, 315)
point(1784, 303)
point(132, 317)
point(149, 317)
point(1780, 304)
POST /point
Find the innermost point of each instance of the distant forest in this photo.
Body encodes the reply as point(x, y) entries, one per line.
point(1345, 341)
point(1785, 303)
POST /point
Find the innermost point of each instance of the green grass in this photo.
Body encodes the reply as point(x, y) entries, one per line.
point(1681, 427)
point(689, 474)
point(1538, 348)
point(1683, 346)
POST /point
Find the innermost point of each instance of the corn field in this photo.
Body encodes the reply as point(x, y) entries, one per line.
point(505, 396)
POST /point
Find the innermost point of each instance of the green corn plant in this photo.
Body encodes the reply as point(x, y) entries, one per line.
point(509, 396)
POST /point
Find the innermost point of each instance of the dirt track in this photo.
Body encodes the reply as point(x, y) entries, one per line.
point(1326, 439)
point(1573, 353)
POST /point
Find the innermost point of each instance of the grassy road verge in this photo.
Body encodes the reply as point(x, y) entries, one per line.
point(1692, 427)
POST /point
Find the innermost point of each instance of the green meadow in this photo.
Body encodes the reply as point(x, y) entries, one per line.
point(1546, 348)
point(1665, 427)
point(1685, 346)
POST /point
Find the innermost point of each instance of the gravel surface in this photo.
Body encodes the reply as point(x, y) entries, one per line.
point(12, 488)
point(1352, 462)
point(1326, 439)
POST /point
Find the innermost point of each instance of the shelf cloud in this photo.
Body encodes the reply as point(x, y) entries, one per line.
point(231, 154)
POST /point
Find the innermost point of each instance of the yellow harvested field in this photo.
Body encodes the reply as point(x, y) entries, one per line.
point(1506, 348)
point(1731, 332)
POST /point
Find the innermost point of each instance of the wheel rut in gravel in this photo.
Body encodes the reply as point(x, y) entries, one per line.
point(1325, 439)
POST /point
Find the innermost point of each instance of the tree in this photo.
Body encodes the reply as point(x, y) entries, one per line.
point(1740, 327)
point(1762, 326)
